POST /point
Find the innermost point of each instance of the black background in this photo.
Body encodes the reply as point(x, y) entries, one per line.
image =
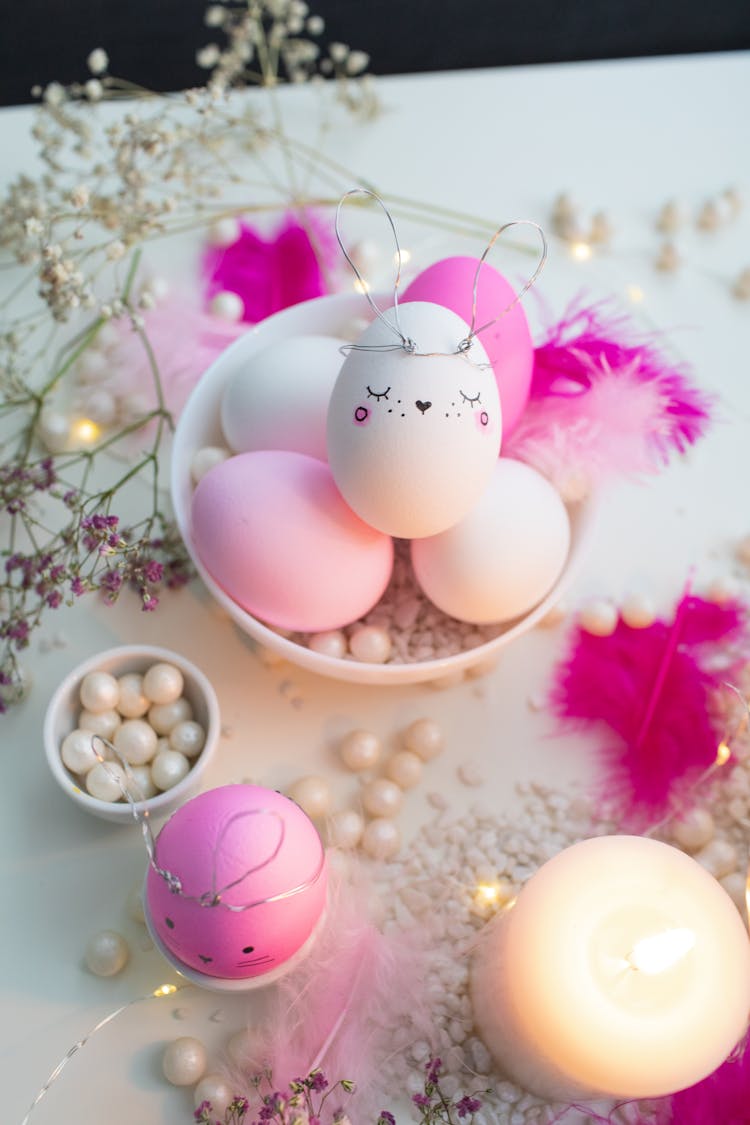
point(153, 42)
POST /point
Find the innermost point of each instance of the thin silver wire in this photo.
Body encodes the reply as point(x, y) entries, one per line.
point(407, 344)
point(214, 896)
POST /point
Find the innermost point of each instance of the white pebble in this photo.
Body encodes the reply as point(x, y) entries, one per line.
point(381, 838)
point(471, 775)
point(164, 716)
point(135, 740)
point(345, 829)
point(312, 794)
point(381, 797)
point(370, 644)
point(227, 306)
point(163, 683)
point(719, 857)
point(141, 784)
point(360, 750)
point(693, 829)
point(735, 884)
point(206, 459)
point(107, 953)
point(188, 738)
point(131, 703)
point(212, 1088)
point(184, 1061)
point(106, 781)
point(99, 692)
point(77, 752)
point(223, 232)
point(425, 738)
point(599, 618)
point(638, 611)
point(168, 768)
point(104, 723)
point(331, 643)
point(404, 768)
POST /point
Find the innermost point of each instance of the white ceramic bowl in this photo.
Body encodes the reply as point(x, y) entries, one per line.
point(199, 426)
point(64, 707)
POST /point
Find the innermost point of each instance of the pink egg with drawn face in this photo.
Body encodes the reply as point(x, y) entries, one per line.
point(274, 532)
point(243, 885)
point(508, 343)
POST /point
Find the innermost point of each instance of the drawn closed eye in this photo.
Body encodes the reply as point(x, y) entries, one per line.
point(471, 401)
point(377, 395)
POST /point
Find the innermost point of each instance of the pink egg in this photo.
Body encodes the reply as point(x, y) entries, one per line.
point(243, 883)
point(273, 531)
point(508, 343)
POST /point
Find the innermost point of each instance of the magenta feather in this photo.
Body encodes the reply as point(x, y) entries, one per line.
point(343, 1009)
point(603, 405)
point(653, 689)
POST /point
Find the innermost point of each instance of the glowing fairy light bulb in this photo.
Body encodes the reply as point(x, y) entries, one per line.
point(723, 754)
point(581, 251)
point(360, 286)
point(635, 294)
point(83, 431)
point(402, 257)
point(660, 952)
point(165, 990)
point(488, 893)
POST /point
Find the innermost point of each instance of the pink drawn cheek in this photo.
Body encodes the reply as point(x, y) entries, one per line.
point(361, 416)
point(482, 422)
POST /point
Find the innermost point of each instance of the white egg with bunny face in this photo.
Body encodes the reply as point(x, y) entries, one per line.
point(413, 437)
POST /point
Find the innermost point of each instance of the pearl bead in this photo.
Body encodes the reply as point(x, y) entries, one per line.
point(332, 643)
point(599, 618)
point(134, 903)
point(106, 953)
point(736, 887)
point(425, 738)
point(360, 750)
point(693, 829)
point(205, 459)
point(382, 797)
point(718, 857)
point(638, 611)
point(168, 768)
point(93, 366)
point(184, 1061)
point(345, 829)
point(223, 232)
point(104, 723)
point(370, 644)
point(381, 839)
point(312, 794)
point(404, 768)
point(188, 738)
point(227, 306)
point(135, 739)
point(77, 752)
point(54, 430)
point(164, 716)
point(132, 703)
point(141, 784)
point(212, 1088)
point(99, 692)
point(106, 781)
point(163, 683)
point(99, 406)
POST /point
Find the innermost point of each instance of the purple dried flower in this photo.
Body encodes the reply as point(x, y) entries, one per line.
point(467, 1105)
point(421, 1100)
point(386, 1118)
point(433, 1069)
point(317, 1081)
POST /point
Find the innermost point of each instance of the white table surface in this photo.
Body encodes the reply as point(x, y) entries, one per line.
point(620, 136)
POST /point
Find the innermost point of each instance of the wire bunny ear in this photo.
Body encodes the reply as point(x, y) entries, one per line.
point(473, 330)
point(406, 342)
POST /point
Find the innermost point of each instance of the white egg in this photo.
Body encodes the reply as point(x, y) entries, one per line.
point(279, 398)
point(504, 556)
point(413, 438)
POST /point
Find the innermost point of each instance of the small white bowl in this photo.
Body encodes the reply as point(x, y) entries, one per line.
point(64, 707)
point(199, 426)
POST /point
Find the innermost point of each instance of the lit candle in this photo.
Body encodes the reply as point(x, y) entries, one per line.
point(622, 969)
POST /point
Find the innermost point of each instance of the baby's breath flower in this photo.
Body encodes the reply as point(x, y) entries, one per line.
point(93, 90)
point(98, 61)
point(79, 196)
point(215, 15)
point(208, 56)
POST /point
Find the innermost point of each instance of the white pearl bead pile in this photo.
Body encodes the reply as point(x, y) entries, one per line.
point(150, 724)
point(107, 953)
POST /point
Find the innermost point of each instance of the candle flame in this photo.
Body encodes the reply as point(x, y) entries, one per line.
point(655, 954)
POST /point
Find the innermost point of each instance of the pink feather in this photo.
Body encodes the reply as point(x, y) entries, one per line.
point(601, 406)
point(342, 1008)
point(653, 689)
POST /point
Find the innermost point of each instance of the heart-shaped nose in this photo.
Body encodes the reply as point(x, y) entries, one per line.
point(422, 406)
